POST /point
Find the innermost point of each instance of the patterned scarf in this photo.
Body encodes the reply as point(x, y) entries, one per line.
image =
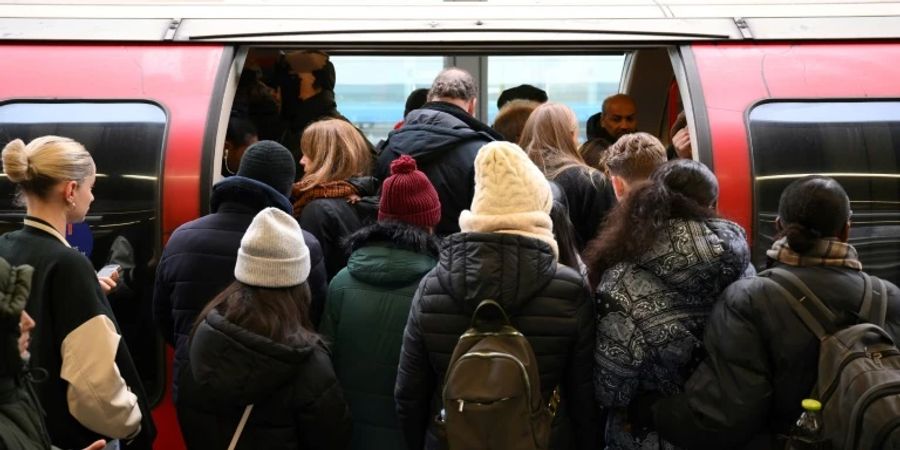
point(825, 252)
point(331, 189)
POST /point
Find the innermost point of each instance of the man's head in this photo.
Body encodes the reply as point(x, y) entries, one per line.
point(619, 115)
point(632, 159)
point(271, 163)
point(813, 207)
point(521, 92)
point(241, 133)
point(456, 86)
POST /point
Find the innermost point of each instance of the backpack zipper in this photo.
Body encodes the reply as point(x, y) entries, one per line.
point(849, 359)
point(487, 355)
point(872, 395)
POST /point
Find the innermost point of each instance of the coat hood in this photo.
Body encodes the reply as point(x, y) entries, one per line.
point(249, 193)
point(698, 257)
point(508, 268)
point(391, 253)
point(428, 133)
point(239, 366)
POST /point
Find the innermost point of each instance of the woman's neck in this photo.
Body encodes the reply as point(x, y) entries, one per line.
point(48, 213)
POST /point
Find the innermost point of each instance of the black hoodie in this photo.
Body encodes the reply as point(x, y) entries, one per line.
point(548, 302)
point(297, 401)
point(444, 141)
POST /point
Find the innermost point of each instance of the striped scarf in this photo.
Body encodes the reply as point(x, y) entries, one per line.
point(331, 189)
point(825, 252)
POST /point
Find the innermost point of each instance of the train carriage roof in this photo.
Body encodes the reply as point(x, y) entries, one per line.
point(450, 24)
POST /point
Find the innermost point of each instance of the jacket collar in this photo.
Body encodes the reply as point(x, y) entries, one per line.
point(463, 116)
point(43, 225)
point(249, 193)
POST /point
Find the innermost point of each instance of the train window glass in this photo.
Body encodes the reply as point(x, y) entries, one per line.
point(126, 141)
point(371, 91)
point(581, 82)
point(858, 144)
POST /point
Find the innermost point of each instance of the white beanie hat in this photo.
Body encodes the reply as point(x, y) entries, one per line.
point(273, 253)
point(511, 195)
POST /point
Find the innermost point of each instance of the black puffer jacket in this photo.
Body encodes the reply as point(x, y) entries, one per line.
point(198, 261)
point(548, 302)
point(444, 140)
point(762, 362)
point(297, 401)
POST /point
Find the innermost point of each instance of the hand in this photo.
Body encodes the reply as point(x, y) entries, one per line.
point(107, 284)
point(682, 143)
point(97, 445)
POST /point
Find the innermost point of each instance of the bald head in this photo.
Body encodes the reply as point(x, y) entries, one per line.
point(619, 115)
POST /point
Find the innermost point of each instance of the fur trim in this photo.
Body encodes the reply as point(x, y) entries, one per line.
point(399, 234)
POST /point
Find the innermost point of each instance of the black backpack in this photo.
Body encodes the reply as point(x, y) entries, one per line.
point(858, 380)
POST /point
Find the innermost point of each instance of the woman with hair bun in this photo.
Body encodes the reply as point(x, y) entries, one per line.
point(659, 265)
point(93, 389)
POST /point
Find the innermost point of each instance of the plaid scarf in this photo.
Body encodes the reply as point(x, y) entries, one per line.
point(825, 252)
point(331, 189)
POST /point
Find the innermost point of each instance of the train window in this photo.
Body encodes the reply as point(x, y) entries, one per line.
point(581, 82)
point(855, 142)
point(371, 90)
point(126, 141)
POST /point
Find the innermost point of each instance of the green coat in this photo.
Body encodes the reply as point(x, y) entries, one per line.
point(368, 304)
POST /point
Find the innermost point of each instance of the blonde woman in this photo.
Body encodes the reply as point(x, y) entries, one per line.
point(92, 389)
point(550, 138)
point(336, 162)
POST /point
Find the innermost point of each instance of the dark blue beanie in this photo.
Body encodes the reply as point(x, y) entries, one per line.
point(271, 163)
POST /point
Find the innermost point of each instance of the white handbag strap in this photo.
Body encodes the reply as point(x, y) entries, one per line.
point(240, 427)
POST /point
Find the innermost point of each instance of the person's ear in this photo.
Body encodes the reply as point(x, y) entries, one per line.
point(619, 186)
point(69, 190)
point(472, 106)
point(844, 234)
point(779, 225)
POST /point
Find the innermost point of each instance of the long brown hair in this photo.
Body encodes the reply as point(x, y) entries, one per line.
point(679, 189)
point(336, 152)
point(280, 314)
point(549, 139)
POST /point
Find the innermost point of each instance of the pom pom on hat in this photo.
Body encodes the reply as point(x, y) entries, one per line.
point(511, 195)
point(273, 253)
point(408, 196)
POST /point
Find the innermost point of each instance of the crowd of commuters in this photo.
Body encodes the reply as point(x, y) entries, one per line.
point(322, 302)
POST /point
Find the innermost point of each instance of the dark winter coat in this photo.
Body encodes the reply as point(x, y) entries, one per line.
point(368, 305)
point(332, 220)
point(651, 317)
point(21, 417)
point(198, 261)
point(548, 302)
point(444, 140)
point(296, 398)
point(762, 361)
point(589, 195)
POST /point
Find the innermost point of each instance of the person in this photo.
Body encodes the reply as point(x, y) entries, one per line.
point(92, 389)
point(257, 103)
point(505, 252)
point(253, 350)
point(22, 425)
point(762, 360)
point(521, 92)
point(326, 202)
point(617, 118)
point(239, 136)
point(443, 137)
point(389, 259)
point(198, 261)
point(631, 160)
point(659, 265)
point(414, 101)
point(510, 121)
point(550, 138)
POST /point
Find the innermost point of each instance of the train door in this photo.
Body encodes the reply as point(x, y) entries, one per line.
point(142, 112)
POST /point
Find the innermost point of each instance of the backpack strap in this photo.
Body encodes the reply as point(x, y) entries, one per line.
point(482, 315)
point(874, 307)
point(808, 307)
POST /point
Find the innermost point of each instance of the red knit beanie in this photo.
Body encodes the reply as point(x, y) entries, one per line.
point(408, 196)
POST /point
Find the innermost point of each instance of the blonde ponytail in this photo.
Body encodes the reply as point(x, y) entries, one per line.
point(15, 161)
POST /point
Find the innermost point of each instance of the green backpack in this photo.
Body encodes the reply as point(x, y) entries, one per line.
point(492, 390)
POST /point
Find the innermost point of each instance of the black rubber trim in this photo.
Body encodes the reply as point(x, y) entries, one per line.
point(213, 114)
point(698, 107)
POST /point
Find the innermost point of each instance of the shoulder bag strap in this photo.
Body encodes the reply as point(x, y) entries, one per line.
point(240, 427)
point(808, 307)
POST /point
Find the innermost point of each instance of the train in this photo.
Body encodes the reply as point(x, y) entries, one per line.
point(772, 90)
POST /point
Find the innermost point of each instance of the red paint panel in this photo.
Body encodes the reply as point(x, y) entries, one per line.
point(178, 77)
point(735, 76)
